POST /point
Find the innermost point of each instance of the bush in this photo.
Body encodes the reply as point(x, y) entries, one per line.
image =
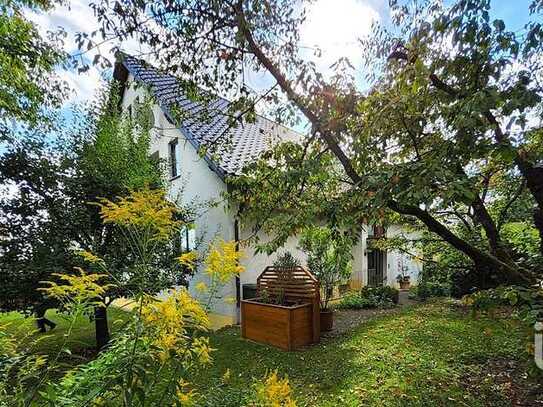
point(428, 289)
point(353, 300)
point(370, 297)
point(528, 302)
point(287, 260)
point(383, 293)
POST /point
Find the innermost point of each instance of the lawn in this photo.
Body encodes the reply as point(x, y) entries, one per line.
point(426, 355)
point(431, 354)
point(81, 341)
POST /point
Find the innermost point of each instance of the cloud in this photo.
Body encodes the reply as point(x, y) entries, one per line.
point(332, 25)
point(335, 27)
point(77, 16)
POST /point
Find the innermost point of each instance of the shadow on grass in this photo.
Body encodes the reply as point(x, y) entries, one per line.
point(415, 357)
point(81, 342)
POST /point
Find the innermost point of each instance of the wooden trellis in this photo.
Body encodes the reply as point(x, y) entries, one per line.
point(296, 283)
point(288, 326)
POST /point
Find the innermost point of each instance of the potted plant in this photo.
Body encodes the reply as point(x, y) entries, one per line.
point(404, 279)
point(329, 258)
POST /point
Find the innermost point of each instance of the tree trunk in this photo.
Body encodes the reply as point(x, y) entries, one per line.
point(102, 330)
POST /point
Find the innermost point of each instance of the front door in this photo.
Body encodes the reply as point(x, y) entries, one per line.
point(376, 267)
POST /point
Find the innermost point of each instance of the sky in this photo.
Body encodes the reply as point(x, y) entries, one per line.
point(332, 25)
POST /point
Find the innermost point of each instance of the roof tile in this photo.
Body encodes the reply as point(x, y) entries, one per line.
point(237, 147)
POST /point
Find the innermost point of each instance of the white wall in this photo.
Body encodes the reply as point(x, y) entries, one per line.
point(200, 183)
point(396, 260)
point(256, 263)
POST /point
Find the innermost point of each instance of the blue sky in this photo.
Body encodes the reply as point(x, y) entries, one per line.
point(333, 25)
point(513, 12)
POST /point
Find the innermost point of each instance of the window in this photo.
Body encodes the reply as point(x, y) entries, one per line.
point(173, 147)
point(188, 239)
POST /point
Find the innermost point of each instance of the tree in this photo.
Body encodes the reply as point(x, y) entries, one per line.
point(35, 237)
point(329, 255)
point(52, 214)
point(451, 100)
point(29, 86)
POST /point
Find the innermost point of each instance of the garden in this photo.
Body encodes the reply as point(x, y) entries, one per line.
point(434, 353)
point(114, 259)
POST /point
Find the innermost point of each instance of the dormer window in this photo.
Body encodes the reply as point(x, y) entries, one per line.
point(173, 157)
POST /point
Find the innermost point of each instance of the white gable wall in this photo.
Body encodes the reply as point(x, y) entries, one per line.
point(199, 182)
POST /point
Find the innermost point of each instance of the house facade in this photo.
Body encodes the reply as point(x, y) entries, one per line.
point(203, 179)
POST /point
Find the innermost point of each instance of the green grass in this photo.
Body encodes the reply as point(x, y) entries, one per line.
point(420, 356)
point(81, 341)
point(432, 354)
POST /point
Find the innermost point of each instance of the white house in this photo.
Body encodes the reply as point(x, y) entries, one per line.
point(202, 178)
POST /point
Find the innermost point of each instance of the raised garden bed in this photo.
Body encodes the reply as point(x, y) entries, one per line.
point(285, 326)
point(292, 323)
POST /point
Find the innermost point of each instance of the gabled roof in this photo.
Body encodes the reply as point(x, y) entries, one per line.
point(237, 147)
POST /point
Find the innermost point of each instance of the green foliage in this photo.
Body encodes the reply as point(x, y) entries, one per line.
point(426, 289)
point(384, 293)
point(525, 241)
point(286, 260)
point(369, 297)
point(289, 188)
point(353, 300)
point(28, 84)
point(329, 255)
point(528, 302)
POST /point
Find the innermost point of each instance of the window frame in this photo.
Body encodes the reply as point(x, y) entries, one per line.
point(173, 157)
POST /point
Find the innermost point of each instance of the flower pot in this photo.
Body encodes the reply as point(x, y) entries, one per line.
point(404, 284)
point(327, 320)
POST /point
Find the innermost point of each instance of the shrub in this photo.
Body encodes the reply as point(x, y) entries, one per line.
point(370, 297)
point(528, 302)
point(427, 289)
point(353, 300)
point(287, 260)
point(383, 293)
point(329, 255)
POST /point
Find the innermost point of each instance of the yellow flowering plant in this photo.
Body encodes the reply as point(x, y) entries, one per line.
point(168, 321)
point(221, 264)
point(145, 211)
point(150, 361)
point(154, 355)
point(274, 392)
point(18, 368)
point(78, 290)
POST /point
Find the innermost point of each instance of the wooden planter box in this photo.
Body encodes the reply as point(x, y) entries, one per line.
point(287, 327)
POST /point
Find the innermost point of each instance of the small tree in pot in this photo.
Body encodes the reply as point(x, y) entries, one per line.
point(404, 279)
point(329, 255)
